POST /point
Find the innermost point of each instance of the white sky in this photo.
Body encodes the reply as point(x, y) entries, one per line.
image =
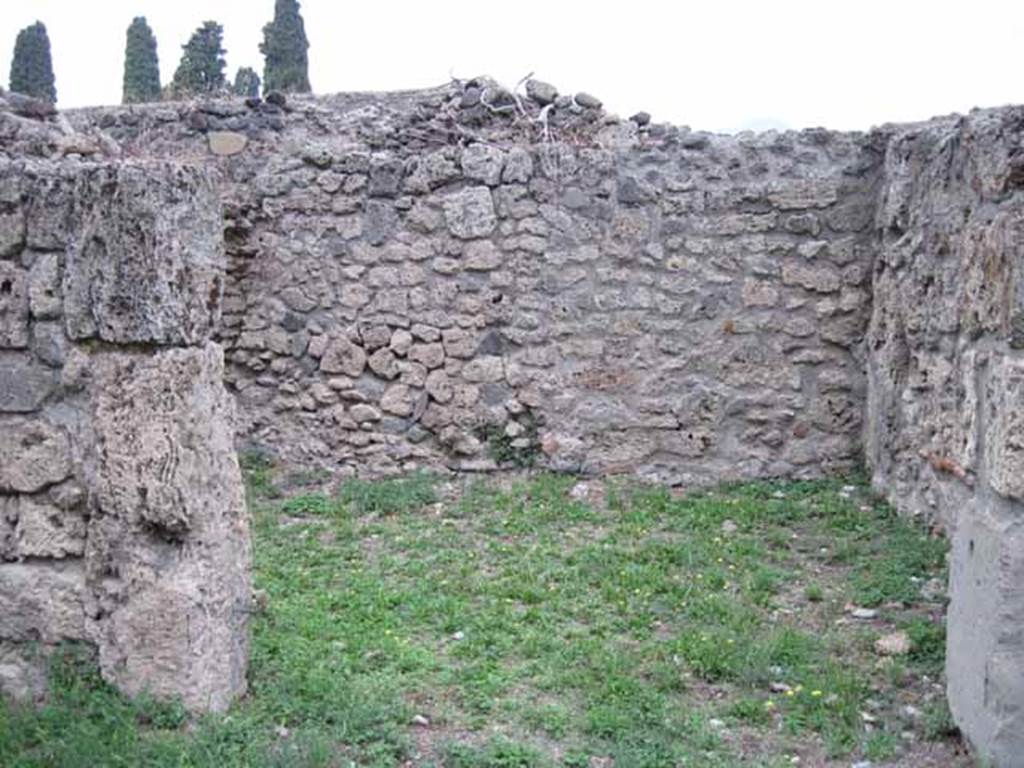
point(717, 64)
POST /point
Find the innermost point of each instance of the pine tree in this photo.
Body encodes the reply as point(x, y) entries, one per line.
point(141, 66)
point(32, 67)
point(285, 48)
point(247, 83)
point(202, 65)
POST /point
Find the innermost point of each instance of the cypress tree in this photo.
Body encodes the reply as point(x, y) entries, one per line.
point(285, 48)
point(141, 66)
point(202, 64)
point(32, 67)
point(247, 83)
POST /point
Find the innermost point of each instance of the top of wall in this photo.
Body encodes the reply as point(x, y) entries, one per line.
point(456, 113)
point(460, 112)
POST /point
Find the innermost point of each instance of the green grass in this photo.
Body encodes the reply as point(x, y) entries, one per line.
point(532, 629)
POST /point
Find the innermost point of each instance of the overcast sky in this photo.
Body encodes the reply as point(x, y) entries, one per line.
point(714, 65)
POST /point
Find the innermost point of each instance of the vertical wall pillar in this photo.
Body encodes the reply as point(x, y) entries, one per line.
point(122, 516)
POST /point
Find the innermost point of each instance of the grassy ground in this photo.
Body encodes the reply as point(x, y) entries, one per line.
point(519, 622)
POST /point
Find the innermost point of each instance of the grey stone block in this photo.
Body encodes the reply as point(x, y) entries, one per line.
point(33, 455)
point(146, 265)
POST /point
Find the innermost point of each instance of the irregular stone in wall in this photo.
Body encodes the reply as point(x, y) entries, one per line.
point(429, 355)
point(854, 215)
point(375, 336)
point(460, 442)
point(800, 194)
point(690, 442)
point(845, 331)
point(458, 343)
point(991, 270)
point(385, 176)
point(13, 306)
point(518, 166)
point(736, 223)
point(617, 450)
point(170, 513)
point(381, 277)
point(147, 264)
point(296, 299)
point(380, 221)
point(342, 356)
point(33, 455)
point(44, 287)
point(363, 413)
point(482, 255)
point(49, 211)
point(470, 213)
point(631, 190)
point(1004, 428)
point(432, 170)
point(484, 369)
point(413, 374)
point(394, 301)
point(397, 400)
point(759, 293)
point(483, 163)
point(12, 232)
point(439, 386)
point(227, 143)
point(383, 363)
point(9, 506)
point(354, 296)
point(42, 601)
point(820, 279)
point(401, 342)
point(46, 530)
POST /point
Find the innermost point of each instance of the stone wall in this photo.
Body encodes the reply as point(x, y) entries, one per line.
point(416, 282)
point(945, 422)
point(122, 518)
point(463, 279)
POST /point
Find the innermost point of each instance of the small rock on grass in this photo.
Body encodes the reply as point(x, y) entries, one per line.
point(933, 590)
point(579, 491)
point(910, 712)
point(895, 644)
point(864, 614)
point(728, 526)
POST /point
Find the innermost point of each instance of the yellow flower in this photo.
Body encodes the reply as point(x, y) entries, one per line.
point(815, 693)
